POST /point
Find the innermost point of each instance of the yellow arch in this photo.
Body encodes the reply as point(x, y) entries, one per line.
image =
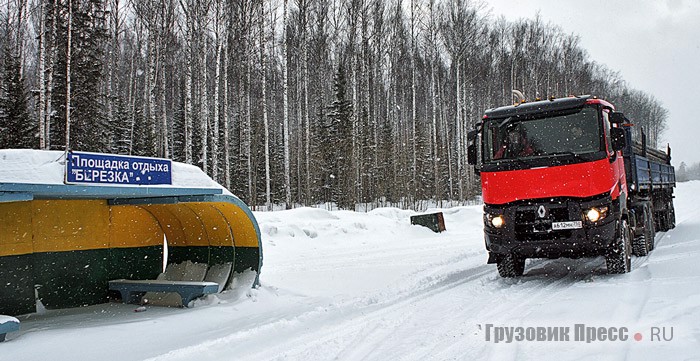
point(74, 247)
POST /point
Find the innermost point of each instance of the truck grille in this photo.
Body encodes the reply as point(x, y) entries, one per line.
point(529, 226)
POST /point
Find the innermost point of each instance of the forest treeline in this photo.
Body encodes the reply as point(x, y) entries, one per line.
point(686, 172)
point(288, 101)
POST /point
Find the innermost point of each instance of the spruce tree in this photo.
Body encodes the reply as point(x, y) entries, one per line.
point(336, 147)
point(89, 128)
point(17, 130)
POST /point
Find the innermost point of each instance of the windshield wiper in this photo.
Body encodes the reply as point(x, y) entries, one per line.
point(505, 121)
point(577, 155)
point(517, 160)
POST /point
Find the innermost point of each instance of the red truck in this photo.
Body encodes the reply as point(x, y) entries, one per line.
point(565, 178)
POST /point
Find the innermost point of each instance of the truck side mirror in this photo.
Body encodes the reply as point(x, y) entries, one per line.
point(617, 138)
point(618, 118)
point(471, 147)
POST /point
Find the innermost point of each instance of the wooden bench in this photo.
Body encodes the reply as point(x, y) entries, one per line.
point(132, 290)
point(7, 324)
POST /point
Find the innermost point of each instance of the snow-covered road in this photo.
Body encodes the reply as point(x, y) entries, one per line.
point(355, 286)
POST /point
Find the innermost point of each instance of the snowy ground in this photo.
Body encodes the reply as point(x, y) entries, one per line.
point(356, 286)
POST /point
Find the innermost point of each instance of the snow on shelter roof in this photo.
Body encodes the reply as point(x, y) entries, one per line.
point(41, 173)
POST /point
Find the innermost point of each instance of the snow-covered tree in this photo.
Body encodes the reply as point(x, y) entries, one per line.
point(17, 129)
point(337, 146)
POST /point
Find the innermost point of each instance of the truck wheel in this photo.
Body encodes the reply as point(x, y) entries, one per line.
point(618, 257)
point(663, 224)
point(667, 218)
point(643, 244)
point(650, 230)
point(671, 217)
point(511, 266)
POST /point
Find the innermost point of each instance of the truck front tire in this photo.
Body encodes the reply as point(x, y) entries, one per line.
point(618, 257)
point(510, 266)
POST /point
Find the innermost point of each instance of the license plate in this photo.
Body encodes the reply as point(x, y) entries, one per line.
point(557, 226)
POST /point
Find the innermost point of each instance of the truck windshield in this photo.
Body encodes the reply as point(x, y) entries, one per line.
point(513, 138)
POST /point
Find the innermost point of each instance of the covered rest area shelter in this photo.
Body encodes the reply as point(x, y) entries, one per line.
point(63, 243)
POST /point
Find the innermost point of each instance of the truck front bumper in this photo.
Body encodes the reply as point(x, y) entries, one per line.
point(529, 235)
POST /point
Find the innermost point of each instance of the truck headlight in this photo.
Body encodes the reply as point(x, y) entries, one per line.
point(595, 214)
point(496, 221)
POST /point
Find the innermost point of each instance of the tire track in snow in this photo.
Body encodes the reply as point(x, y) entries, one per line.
point(350, 339)
point(370, 343)
point(364, 345)
point(544, 281)
point(344, 322)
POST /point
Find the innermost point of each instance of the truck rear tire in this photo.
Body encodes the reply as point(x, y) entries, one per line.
point(618, 257)
point(642, 245)
point(510, 266)
point(663, 225)
point(650, 231)
point(667, 218)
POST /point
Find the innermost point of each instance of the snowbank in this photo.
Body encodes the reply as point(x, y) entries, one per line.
point(6, 319)
point(48, 167)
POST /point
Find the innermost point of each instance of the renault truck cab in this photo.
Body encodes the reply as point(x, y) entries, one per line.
point(553, 182)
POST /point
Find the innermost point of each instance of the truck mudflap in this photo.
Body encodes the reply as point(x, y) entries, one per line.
point(550, 229)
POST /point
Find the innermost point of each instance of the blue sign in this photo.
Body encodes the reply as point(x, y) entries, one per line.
point(96, 168)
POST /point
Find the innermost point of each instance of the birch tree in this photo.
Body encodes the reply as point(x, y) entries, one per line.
point(190, 35)
point(285, 89)
point(219, 26)
point(69, 47)
point(266, 125)
point(42, 76)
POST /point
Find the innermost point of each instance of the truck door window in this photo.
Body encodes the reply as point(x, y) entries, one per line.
point(606, 126)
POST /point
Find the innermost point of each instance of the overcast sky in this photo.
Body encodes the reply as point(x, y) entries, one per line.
point(654, 44)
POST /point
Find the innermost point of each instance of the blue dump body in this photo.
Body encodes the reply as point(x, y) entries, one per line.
point(650, 182)
point(647, 170)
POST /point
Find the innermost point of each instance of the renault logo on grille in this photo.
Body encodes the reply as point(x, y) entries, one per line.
point(541, 212)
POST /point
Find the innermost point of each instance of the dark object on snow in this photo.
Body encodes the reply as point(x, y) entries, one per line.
point(434, 221)
point(7, 324)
